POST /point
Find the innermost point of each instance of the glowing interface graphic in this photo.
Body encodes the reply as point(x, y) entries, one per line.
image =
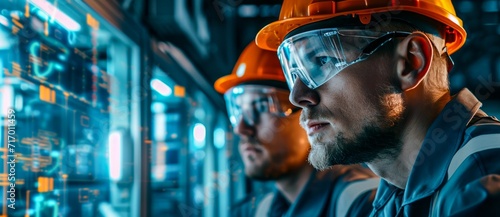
point(53, 72)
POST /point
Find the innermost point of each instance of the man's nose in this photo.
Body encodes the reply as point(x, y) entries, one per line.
point(303, 96)
point(243, 128)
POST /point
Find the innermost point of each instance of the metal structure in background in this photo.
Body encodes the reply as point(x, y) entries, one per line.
point(477, 64)
point(86, 79)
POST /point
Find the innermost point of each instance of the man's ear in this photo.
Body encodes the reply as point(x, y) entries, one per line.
point(414, 60)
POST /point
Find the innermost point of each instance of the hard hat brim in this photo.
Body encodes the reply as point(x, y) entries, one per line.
point(227, 82)
point(271, 36)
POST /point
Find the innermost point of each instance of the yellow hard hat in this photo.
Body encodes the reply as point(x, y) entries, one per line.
point(254, 64)
point(296, 13)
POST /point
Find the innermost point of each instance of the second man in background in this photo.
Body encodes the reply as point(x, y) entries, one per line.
point(274, 147)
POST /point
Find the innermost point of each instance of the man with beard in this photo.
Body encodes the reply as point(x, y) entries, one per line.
point(274, 147)
point(371, 79)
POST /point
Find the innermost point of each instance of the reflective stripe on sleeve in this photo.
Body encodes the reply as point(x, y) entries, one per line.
point(264, 205)
point(476, 144)
point(352, 192)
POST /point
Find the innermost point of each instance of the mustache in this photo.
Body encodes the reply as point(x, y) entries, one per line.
point(314, 113)
point(249, 139)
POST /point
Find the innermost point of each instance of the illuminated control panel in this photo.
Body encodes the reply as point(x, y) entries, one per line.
point(60, 69)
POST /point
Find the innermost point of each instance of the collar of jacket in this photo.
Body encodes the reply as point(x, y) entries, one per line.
point(442, 140)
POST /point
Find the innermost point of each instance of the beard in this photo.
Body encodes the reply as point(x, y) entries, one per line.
point(268, 172)
point(258, 174)
point(372, 143)
point(267, 166)
point(377, 139)
point(254, 168)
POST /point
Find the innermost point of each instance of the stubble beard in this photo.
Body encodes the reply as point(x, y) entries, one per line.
point(371, 144)
point(378, 139)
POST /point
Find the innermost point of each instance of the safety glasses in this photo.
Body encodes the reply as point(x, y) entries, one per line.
point(249, 102)
point(316, 56)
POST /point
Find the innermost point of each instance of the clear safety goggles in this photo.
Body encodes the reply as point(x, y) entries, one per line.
point(249, 102)
point(316, 56)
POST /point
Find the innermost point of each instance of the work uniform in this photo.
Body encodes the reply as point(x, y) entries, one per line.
point(446, 180)
point(340, 191)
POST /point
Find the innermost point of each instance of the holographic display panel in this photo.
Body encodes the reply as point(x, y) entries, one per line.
point(59, 69)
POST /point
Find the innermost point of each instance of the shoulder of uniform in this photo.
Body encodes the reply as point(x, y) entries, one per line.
point(484, 119)
point(482, 125)
point(249, 199)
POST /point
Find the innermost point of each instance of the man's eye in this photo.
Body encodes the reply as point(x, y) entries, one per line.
point(262, 107)
point(322, 60)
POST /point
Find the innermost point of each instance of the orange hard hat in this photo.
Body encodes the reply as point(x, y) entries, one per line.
point(296, 13)
point(254, 64)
